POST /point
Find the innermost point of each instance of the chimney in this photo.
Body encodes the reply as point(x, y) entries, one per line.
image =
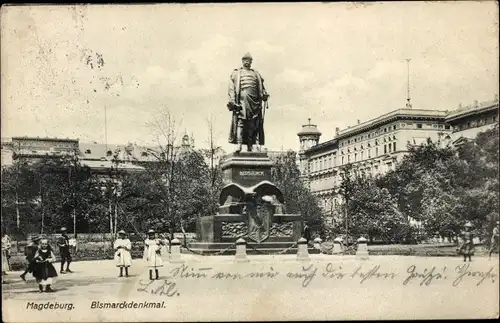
point(337, 130)
point(359, 121)
point(476, 104)
point(496, 97)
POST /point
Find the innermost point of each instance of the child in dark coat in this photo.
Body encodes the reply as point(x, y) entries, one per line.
point(43, 270)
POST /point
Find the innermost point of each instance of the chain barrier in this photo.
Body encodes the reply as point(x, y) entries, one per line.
point(209, 254)
point(273, 253)
point(234, 244)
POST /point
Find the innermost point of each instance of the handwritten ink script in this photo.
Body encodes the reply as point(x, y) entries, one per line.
point(362, 273)
point(159, 287)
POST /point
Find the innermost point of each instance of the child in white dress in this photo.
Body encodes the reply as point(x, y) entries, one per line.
point(152, 253)
point(123, 258)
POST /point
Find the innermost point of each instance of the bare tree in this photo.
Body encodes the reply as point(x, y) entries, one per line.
point(213, 154)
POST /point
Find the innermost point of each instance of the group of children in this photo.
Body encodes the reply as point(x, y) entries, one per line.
point(39, 256)
point(153, 246)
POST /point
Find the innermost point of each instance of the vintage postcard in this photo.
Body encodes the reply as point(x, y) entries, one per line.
point(250, 161)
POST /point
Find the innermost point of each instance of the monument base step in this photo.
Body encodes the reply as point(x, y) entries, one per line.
point(225, 249)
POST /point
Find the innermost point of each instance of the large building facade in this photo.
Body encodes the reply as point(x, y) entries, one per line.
point(470, 120)
point(376, 146)
point(99, 157)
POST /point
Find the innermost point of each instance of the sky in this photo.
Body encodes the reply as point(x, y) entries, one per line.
point(335, 63)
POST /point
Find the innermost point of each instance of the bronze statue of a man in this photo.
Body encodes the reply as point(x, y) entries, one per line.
point(247, 95)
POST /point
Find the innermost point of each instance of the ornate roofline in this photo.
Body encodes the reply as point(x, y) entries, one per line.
point(46, 139)
point(472, 111)
point(401, 114)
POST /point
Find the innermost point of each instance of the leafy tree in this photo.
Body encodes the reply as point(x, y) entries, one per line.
point(298, 199)
point(374, 212)
point(50, 193)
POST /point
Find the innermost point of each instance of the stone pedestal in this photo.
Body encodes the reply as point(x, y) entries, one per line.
point(302, 253)
point(175, 251)
point(251, 206)
point(362, 252)
point(246, 169)
point(241, 251)
point(317, 243)
point(337, 246)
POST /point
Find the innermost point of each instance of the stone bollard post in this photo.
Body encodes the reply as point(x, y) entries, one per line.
point(362, 252)
point(241, 251)
point(337, 245)
point(302, 252)
point(175, 251)
point(317, 243)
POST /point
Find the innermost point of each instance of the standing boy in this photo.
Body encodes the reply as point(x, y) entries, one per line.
point(64, 252)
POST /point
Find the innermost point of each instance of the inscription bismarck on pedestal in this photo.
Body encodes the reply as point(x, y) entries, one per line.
point(246, 168)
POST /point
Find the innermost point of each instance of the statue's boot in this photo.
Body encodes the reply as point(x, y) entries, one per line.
point(239, 135)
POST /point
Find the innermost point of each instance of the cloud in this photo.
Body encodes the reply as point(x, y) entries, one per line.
point(263, 48)
point(295, 77)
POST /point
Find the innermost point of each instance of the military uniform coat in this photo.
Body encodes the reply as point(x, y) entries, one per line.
point(251, 103)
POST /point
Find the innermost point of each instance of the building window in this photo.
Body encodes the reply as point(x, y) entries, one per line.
point(334, 161)
point(394, 146)
point(468, 125)
point(355, 157)
point(348, 158)
point(389, 147)
point(361, 156)
point(109, 153)
point(376, 151)
point(88, 151)
point(144, 154)
point(342, 160)
point(385, 129)
point(419, 126)
point(369, 153)
point(385, 149)
point(403, 125)
point(494, 118)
